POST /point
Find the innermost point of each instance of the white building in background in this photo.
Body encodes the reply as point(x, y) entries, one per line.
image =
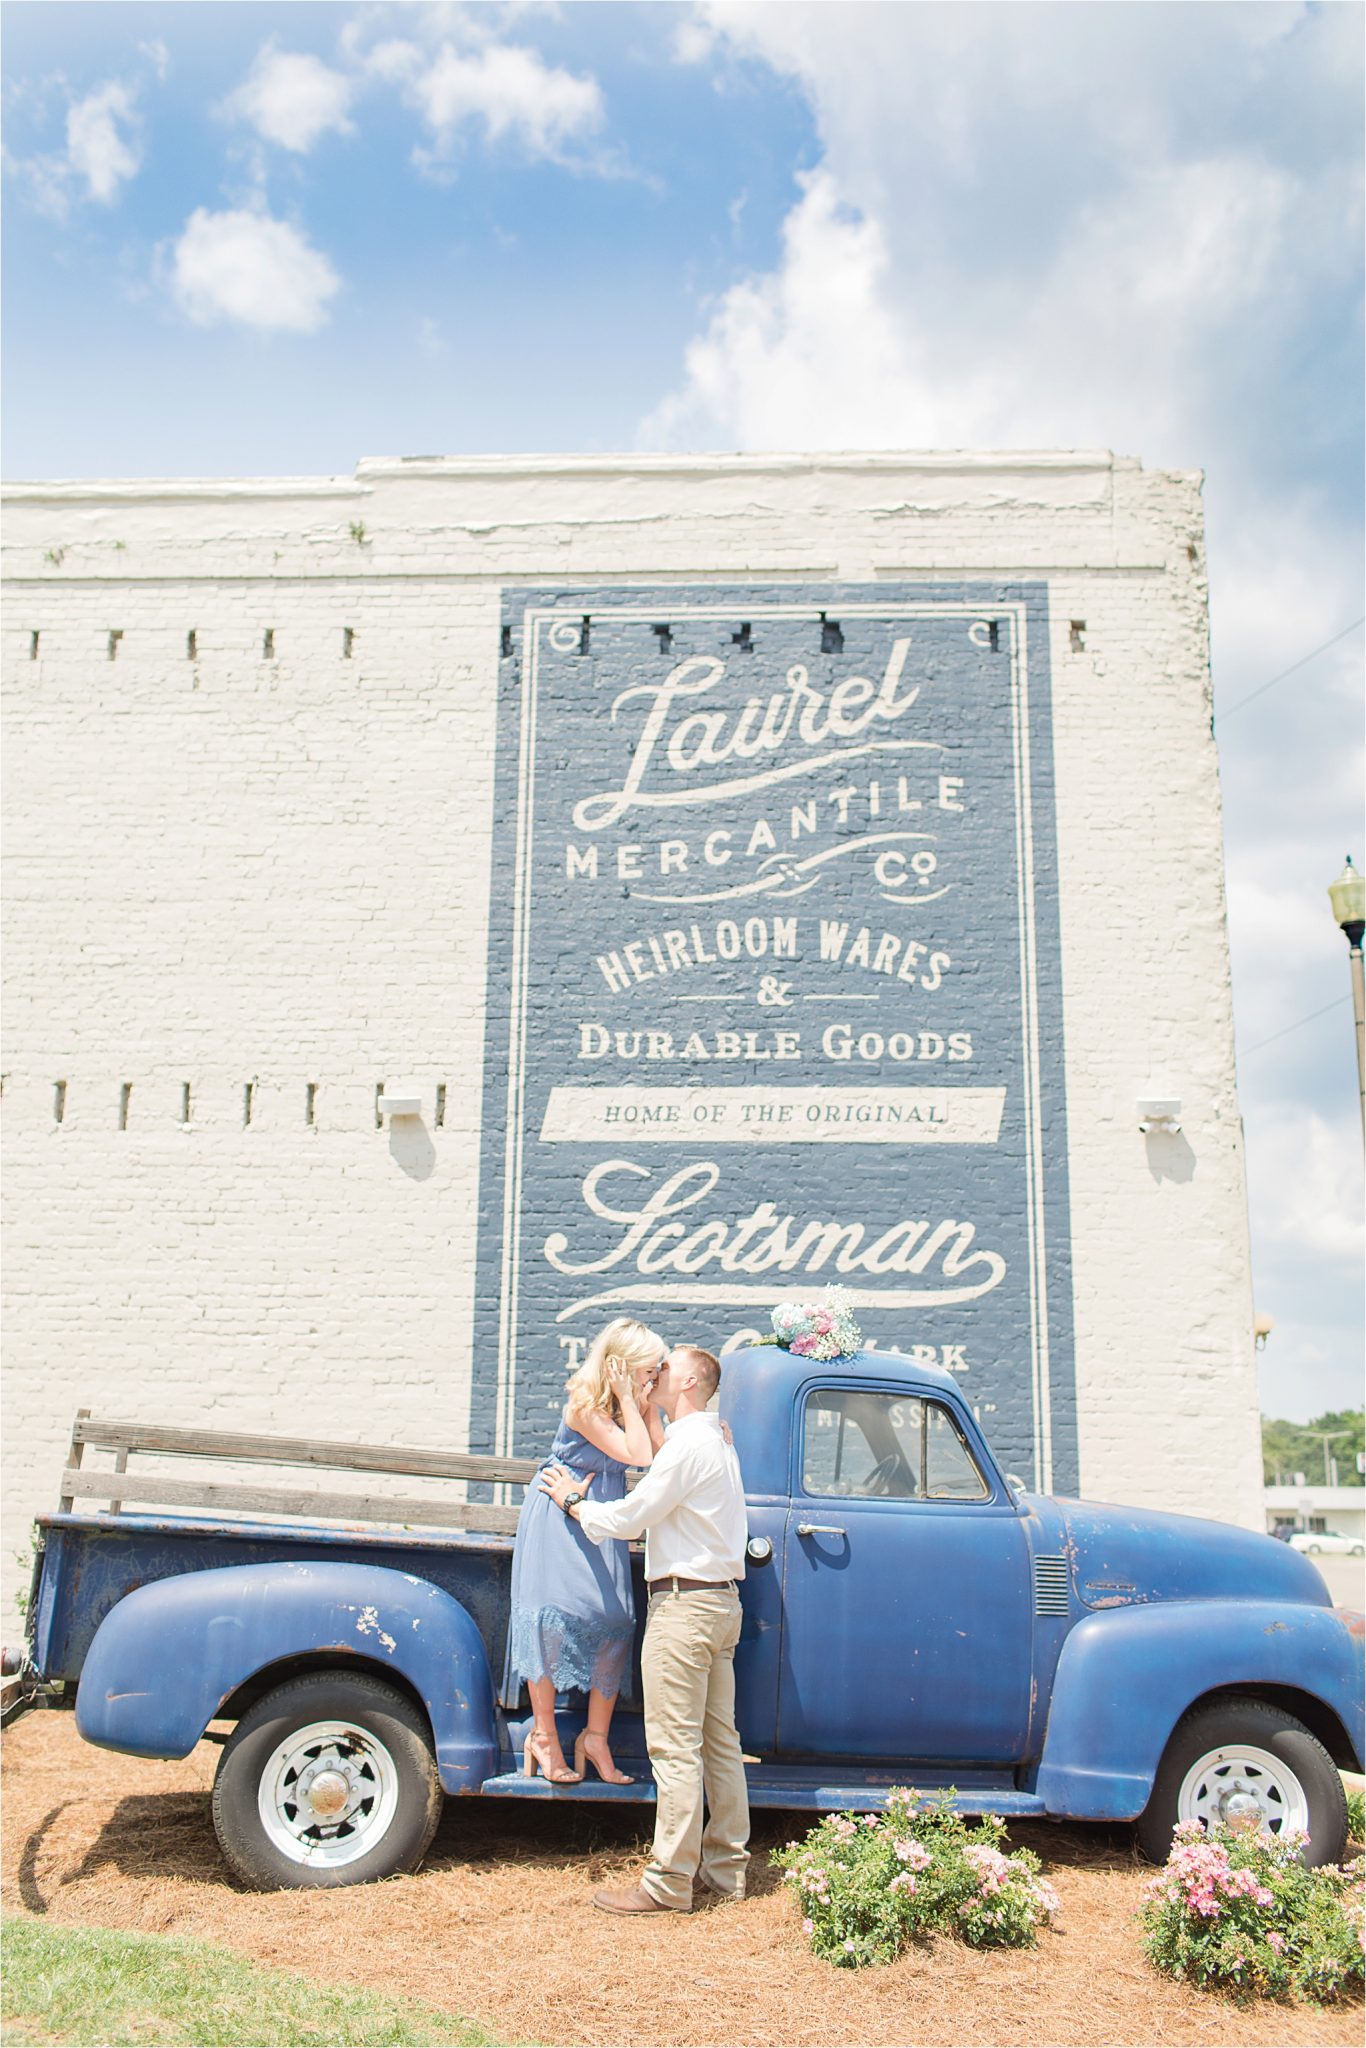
point(1318, 1510)
point(764, 870)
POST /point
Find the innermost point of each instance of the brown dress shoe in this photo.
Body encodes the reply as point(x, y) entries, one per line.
point(635, 1899)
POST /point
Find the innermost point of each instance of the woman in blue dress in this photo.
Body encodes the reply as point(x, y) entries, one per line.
point(573, 1614)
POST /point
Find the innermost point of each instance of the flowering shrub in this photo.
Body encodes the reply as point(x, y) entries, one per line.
point(870, 1883)
point(1238, 1908)
point(822, 1329)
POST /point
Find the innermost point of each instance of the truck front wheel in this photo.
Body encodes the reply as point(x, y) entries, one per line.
point(328, 1780)
point(1241, 1761)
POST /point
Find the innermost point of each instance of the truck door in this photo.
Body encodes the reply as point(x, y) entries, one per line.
point(907, 1609)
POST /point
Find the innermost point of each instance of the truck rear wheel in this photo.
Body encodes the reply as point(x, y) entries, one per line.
point(1244, 1761)
point(328, 1780)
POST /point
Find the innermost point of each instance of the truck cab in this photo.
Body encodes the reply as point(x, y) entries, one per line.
point(898, 1545)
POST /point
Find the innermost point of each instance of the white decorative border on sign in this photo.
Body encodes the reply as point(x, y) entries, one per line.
point(563, 634)
point(772, 1116)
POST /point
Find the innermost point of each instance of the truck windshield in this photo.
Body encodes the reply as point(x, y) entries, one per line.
point(885, 1446)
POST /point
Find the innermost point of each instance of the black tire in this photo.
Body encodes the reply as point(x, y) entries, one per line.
point(1300, 1756)
point(388, 1755)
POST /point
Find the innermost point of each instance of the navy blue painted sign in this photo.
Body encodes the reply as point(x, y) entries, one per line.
point(773, 989)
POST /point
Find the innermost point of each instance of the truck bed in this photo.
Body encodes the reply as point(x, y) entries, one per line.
point(88, 1562)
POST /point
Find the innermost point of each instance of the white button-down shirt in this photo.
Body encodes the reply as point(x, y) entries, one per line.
point(690, 1506)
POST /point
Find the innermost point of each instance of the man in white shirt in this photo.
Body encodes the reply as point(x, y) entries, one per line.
point(690, 1506)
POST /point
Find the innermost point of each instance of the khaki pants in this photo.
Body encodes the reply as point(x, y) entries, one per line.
point(688, 1668)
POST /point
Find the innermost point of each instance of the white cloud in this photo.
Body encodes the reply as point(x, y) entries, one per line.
point(292, 98)
point(1307, 1198)
point(252, 269)
point(506, 87)
point(395, 61)
point(101, 147)
point(1039, 226)
point(810, 356)
point(103, 137)
point(158, 56)
point(103, 151)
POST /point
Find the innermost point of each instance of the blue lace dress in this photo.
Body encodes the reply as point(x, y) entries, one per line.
point(573, 1612)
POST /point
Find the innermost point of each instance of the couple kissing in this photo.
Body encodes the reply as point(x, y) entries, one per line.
point(634, 1401)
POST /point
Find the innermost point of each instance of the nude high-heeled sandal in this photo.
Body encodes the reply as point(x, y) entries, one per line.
point(582, 1760)
point(558, 1774)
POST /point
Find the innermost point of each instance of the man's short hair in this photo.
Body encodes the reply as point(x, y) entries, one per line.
point(707, 1368)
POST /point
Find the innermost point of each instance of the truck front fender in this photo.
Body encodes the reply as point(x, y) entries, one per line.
point(164, 1660)
point(1126, 1676)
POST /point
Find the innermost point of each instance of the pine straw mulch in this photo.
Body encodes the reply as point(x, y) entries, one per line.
point(497, 1926)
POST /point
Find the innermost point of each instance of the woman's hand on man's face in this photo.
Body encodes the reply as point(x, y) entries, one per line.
point(623, 1384)
point(645, 1385)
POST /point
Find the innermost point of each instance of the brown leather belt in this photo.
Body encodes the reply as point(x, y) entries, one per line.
point(677, 1585)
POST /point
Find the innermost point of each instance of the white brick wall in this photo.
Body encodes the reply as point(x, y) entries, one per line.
point(274, 869)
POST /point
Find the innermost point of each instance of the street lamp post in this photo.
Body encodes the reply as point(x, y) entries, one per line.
point(1348, 898)
point(1326, 1437)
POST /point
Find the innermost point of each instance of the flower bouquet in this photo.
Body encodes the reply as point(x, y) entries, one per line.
point(823, 1329)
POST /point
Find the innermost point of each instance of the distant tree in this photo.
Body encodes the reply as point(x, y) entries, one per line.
point(1290, 1447)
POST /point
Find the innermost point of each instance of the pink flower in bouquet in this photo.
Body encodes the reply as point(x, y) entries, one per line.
point(804, 1345)
point(823, 1325)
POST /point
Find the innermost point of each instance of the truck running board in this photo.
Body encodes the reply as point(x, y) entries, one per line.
point(799, 1787)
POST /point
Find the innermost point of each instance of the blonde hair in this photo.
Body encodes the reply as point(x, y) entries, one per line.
point(625, 1345)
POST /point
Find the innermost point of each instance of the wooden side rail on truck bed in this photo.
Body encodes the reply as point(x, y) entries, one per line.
point(117, 1485)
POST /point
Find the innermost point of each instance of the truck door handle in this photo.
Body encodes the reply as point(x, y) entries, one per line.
point(820, 1529)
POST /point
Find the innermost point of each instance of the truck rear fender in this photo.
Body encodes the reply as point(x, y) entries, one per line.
point(166, 1659)
point(1126, 1677)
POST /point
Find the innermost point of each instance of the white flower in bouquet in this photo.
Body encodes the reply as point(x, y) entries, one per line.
point(821, 1330)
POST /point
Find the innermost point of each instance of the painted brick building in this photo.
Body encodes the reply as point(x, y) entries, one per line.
point(767, 870)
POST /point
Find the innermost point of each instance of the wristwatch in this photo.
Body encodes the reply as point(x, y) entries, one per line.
point(571, 1500)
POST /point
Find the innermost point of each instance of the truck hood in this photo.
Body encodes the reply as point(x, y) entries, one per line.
point(1122, 1557)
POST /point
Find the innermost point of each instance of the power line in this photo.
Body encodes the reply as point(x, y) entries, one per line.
point(1262, 688)
point(1336, 1004)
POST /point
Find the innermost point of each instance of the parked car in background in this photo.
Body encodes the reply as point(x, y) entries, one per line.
point(1312, 1541)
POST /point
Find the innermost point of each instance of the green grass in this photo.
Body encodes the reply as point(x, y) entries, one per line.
point(82, 1986)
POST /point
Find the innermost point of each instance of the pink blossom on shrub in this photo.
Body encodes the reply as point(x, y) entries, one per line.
point(1244, 1909)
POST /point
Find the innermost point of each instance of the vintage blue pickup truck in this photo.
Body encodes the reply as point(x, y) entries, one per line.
point(912, 1616)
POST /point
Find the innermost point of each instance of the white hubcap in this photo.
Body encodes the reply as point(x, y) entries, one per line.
point(1241, 1786)
point(328, 1794)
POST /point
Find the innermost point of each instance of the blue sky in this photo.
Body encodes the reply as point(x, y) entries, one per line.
point(246, 239)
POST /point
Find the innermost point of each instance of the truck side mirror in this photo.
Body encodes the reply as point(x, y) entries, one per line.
point(759, 1550)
